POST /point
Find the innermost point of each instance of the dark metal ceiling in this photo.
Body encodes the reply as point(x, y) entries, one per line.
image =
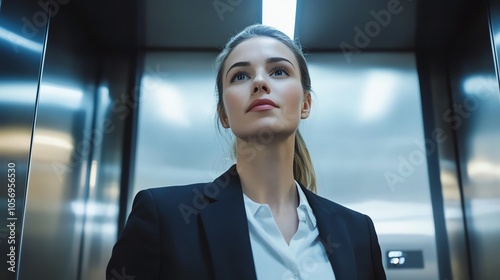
point(201, 24)
point(322, 25)
point(379, 24)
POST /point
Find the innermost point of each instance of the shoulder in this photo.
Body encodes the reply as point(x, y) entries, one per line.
point(174, 205)
point(177, 193)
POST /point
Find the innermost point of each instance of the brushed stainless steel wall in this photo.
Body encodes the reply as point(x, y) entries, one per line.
point(63, 109)
point(177, 141)
point(108, 156)
point(442, 155)
point(365, 136)
point(22, 37)
point(494, 23)
point(475, 117)
point(61, 156)
point(76, 154)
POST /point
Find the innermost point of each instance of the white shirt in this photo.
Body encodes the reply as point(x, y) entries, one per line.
point(305, 257)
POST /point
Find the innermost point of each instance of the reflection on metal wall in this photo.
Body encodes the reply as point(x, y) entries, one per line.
point(365, 135)
point(366, 139)
point(177, 141)
point(101, 209)
point(72, 202)
point(494, 22)
point(63, 118)
point(450, 234)
point(476, 120)
point(58, 181)
point(21, 49)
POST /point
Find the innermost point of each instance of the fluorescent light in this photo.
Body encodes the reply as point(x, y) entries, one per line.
point(280, 14)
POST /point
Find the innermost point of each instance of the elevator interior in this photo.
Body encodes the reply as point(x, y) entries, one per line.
point(99, 99)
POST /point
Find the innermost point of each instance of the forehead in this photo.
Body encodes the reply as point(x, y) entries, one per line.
point(258, 49)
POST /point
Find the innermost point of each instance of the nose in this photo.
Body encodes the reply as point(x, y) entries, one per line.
point(261, 85)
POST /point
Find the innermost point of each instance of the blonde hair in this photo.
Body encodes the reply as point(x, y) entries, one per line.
point(303, 171)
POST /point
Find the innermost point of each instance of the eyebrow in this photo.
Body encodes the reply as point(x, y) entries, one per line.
point(278, 59)
point(268, 61)
point(241, 63)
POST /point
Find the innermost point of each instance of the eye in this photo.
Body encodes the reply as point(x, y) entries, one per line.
point(239, 76)
point(279, 71)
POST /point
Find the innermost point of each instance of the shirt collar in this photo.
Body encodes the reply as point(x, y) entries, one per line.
point(304, 205)
point(253, 207)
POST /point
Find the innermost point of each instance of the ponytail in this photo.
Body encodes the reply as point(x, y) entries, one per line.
point(303, 171)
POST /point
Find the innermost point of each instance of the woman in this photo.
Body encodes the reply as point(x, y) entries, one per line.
point(260, 219)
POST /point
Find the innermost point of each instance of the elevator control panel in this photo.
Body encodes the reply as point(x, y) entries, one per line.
point(405, 259)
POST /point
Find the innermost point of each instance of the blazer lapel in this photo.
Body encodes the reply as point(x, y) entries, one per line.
point(225, 224)
point(335, 238)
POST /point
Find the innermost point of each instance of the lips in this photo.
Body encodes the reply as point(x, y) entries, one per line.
point(261, 105)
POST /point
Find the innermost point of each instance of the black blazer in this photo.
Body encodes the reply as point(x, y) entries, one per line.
point(200, 231)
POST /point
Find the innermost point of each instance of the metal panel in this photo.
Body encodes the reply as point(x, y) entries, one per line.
point(196, 24)
point(441, 152)
point(101, 229)
point(177, 140)
point(71, 213)
point(59, 168)
point(494, 23)
point(72, 210)
point(366, 123)
point(365, 135)
point(475, 119)
point(356, 25)
point(22, 35)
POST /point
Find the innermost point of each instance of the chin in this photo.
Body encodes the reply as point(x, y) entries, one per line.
point(264, 134)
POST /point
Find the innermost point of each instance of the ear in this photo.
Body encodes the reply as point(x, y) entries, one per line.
point(222, 117)
point(306, 106)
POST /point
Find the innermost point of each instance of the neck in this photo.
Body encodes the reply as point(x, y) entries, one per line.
point(266, 172)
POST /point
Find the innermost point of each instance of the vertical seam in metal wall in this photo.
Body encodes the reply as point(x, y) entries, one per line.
point(457, 154)
point(28, 166)
point(130, 124)
point(130, 137)
point(492, 39)
point(88, 172)
point(436, 192)
point(459, 175)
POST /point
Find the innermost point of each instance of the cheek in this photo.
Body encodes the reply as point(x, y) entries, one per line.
point(293, 97)
point(232, 102)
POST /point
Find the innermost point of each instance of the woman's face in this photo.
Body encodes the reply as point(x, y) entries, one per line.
point(262, 90)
